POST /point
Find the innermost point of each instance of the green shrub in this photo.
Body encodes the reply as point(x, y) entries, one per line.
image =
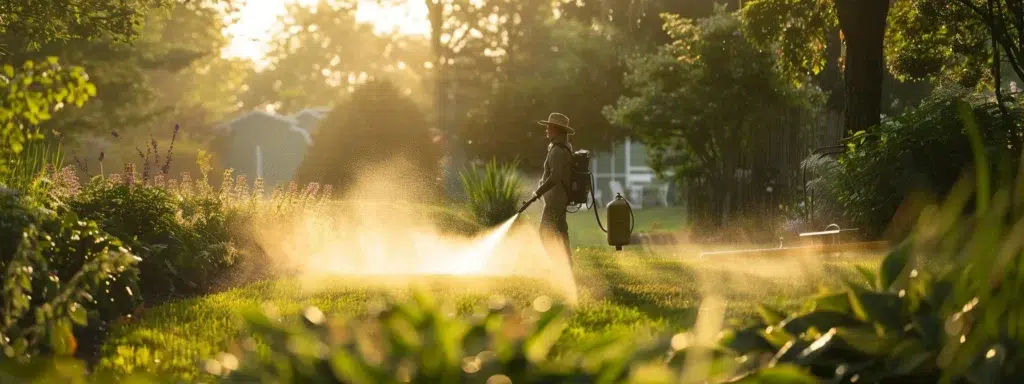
point(16, 214)
point(374, 128)
point(494, 192)
point(185, 242)
point(58, 272)
point(942, 308)
point(422, 342)
point(923, 149)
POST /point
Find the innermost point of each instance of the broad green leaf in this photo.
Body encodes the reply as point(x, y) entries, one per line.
point(893, 266)
point(549, 327)
point(911, 356)
point(770, 315)
point(818, 347)
point(776, 336)
point(790, 352)
point(62, 340)
point(868, 276)
point(351, 369)
point(864, 340)
point(930, 328)
point(820, 320)
point(747, 340)
point(78, 314)
point(257, 320)
point(835, 302)
point(940, 292)
point(880, 308)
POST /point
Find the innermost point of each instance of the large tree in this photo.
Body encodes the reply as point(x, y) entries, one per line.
point(369, 132)
point(139, 83)
point(468, 38)
point(639, 21)
point(28, 24)
point(317, 53)
point(43, 32)
point(935, 40)
point(505, 64)
point(702, 103)
point(474, 46)
point(568, 68)
point(969, 43)
point(863, 23)
point(804, 33)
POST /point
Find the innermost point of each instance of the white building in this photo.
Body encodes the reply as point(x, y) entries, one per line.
point(265, 145)
point(625, 170)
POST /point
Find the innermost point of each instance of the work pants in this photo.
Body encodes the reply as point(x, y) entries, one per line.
point(554, 231)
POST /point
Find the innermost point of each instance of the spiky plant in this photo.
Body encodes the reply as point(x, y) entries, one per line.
point(494, 192)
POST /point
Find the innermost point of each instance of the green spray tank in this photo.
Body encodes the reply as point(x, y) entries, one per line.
point(620, 222)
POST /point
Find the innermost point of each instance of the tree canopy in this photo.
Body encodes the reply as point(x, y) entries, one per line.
point(317, 53)
point(699, 102)
point(27, 24)
point(373, 130)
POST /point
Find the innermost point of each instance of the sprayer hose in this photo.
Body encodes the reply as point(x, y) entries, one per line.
point(593, 198)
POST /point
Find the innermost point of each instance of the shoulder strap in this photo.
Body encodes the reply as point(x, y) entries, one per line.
point(566, 148)
point(563, 146)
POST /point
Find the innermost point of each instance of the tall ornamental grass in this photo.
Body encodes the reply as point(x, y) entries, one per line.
point(494, 192)
point(26, 167)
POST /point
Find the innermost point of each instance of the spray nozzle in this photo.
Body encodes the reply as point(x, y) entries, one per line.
point(527, 204)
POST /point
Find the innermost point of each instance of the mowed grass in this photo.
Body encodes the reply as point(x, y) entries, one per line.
point(583, 229)
point(638, 291)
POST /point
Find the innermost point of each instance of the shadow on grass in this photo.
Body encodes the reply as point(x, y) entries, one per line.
point(661, 288)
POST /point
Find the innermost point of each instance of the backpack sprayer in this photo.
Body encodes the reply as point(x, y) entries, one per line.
point(620, 215)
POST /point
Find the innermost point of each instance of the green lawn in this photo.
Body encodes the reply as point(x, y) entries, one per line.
point(634, 290)
point(583, 229)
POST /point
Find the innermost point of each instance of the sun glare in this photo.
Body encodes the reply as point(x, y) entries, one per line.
point(249, 36)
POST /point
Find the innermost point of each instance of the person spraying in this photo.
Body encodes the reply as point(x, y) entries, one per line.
point(567, 182)
point(553, 186)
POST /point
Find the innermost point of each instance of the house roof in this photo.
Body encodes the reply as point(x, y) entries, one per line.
point(305, 135)
point(287, 119)
point(317, 112)
point(292, 122)
point(226, 126)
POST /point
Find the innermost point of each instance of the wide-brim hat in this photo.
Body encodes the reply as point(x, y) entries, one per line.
point(558, 120)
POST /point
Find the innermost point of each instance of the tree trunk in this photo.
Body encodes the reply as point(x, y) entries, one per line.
point(831, 77)
point(435, 12)
point(863, 23)
point(728, 188)
point(442, 85)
